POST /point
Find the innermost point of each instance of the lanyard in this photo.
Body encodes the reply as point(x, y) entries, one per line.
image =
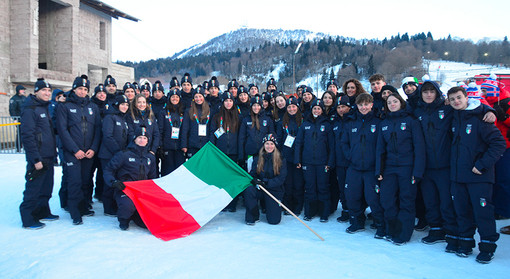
point(238, 109)
point(221, 124)
point(170, 119)
point(198, 122)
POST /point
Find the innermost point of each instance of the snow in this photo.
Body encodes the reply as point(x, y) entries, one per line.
point(223, 248)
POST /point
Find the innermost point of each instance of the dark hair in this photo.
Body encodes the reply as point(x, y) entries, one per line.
point(357, 83)
point(428, 86)
point(376, 77)
point(327, 109)
point(179, 108)
point(230, 118)
point(396, 95)
point(364, 98)
point(286, 118)
point(456, 89)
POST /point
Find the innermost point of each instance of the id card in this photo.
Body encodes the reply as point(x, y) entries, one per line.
point(202, 130)
point(219, 132)
point(249, 163)
point(175, 133)
point(289, 141)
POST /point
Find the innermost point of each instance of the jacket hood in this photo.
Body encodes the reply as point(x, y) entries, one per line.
point(439, 97)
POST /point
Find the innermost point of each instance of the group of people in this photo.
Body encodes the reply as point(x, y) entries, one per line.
point(390, 152)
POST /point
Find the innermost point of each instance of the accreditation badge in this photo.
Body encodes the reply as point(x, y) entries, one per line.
point(175, 133)
point(202, 130)
point(289, 141)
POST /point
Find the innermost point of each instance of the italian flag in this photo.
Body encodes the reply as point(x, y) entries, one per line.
point(180, 203)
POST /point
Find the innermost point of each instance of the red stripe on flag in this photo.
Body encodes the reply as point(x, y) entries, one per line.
point(160, 211)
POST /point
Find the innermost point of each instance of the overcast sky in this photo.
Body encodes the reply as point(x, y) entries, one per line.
point(167, 27)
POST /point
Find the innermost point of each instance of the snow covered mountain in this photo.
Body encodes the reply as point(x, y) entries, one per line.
point(248, 38)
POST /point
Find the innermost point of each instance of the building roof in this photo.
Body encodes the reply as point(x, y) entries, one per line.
point(107, 9)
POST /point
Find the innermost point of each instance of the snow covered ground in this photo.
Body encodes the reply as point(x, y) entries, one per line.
point(224, 248)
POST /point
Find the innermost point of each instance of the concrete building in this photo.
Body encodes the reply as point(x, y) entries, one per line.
point(57, 40)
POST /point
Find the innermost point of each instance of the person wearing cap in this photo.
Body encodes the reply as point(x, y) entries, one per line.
point(145, 90)
point(399, 166)
point(196, 125)
point(328, 99)
point(158, 99)
point(100, 99)
point(232, 87)
point(299, 92)
point(58, 96)
point(170, 121)
point(253, 89)
point(409, 85)
point(115, 138)
point(499, 98)
point(306, 101)
point(187, 90)
point(271, 85)
point(15, 104)
point(174, 84)
point(314, 153)
point(242, 102)
point(140, 114)
point(352, 88)
point(342, 109)
point(359, 142)
point(137, 87)
point(129, 91)
point(79, 127)
point(133, 164)
point(280, 106)
point(332, 86)
point(476, 147)
point(286, 132)
point(269, 171)
point(214, 99)
point(266, 103)
point(111, 89)
point(224, 133)
point(39, 142)
point(253, 128)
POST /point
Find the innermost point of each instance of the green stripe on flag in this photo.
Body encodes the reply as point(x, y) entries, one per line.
point(213, 167)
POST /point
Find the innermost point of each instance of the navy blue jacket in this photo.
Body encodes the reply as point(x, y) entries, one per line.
point(157, 105)
point(378, 107)
point(250, 139)
point(475, 144)
point(214, 103)
point(338, 131)
point(189, 133)
point(134, 163)
point(37, 134)
point(273, 182)
point(281, 134)
point(359, 140)
point(315, 143)
point(436, 120)
point(79, 124)
point(400, 143)
point(228, 141)
point(103, 106)
point(152, 129)
point(243, 109)
point(115, 133)
point(166, 121)
point(186, 98)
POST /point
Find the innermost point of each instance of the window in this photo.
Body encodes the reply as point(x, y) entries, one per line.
point(102, 35)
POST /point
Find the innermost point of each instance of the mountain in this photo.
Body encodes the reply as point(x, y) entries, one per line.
point(247, 38)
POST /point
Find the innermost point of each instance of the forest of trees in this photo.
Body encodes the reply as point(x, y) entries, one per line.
point(396, 57)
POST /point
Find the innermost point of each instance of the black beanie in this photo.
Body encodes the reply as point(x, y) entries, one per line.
point(187, 78)
point(174, 82)
point(99, 88)
point(256, 100)
point(389, 87)
point(271, 82)
point(233, 83)
point(109, 80)
point(214, 82)
point(158, 86)
point(128, 85)
point(145, 86)
point(80, 81)
point(119, 99)
point(40, 84)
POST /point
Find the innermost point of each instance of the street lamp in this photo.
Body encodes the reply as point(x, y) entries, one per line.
point(294, 67)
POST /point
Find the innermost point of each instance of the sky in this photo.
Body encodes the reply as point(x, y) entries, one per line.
point(167, 27)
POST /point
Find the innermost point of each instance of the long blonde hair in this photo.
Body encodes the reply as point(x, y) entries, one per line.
point(277, 160)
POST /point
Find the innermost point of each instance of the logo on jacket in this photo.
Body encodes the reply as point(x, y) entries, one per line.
point(483, 202)
point(264, 123)
point(323, 128)
point(385, 128)
point(132, 160)
point(468, 128)
point(373, 128)
point(403, 126)
point(441, 114)
point(90, 111)
point(354, 130)
point(43, 115)
point(136, 121)
point(248, 123)
point(148, 161)
point(149, 121)
point(119, 124)
point(307, 127)
point(72, 110)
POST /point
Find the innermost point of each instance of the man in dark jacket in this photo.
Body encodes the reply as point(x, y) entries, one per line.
point(15, 104)
point(79, 127)
point(39, 141)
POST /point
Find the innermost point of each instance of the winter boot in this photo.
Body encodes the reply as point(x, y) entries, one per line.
point(357, 224)
point(380, 228)
point(37, 225)
point(466, 245)
point(46, 214)
point(344, 217)
point(390, 229)
point(487, 249)
point(452, 243)
point(124, 224)
point(436, 235)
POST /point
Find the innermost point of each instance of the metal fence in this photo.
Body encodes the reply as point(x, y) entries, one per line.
point(10, 137)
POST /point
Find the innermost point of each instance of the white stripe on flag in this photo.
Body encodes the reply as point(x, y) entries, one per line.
point(200, 200)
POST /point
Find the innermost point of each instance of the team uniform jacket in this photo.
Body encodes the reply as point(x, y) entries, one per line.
point(359, 141)
point(152, 129)
point(250, 139)
point(166, 121)
point(227, 142)
point(282, 131)
point(133, 164)
point(115, 133)
point(315, 143)
point(189, 133)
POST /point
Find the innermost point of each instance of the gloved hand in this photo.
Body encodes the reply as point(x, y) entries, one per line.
point(160, 153)
point(500, 114)
point(257, 181)
point(119, 185)
point(33, 174)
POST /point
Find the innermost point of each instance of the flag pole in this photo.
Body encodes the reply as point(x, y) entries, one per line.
point(288, 210)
